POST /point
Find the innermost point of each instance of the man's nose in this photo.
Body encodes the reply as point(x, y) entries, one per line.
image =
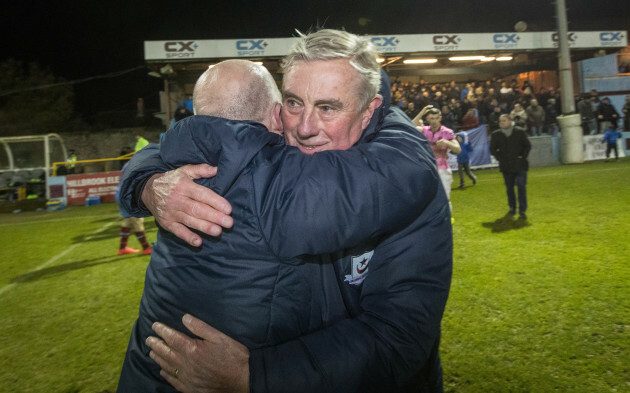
point(308, 125)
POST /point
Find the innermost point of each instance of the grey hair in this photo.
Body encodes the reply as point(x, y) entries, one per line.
point(329, 44)
point(249, 97)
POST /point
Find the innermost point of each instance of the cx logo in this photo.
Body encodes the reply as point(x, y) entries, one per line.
point(445, 39)
point(610, 36)
point(250, 45)
point(505, 38)
point(384, 41)
point(571, 37)
point(180, 46)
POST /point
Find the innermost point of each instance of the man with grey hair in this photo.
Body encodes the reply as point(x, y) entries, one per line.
point(380, 331)
point(510, 146)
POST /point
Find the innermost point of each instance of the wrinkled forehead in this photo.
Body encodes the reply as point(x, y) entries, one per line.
point(322, 77)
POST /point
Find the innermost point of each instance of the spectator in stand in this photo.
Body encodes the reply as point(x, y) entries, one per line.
point(181, 113)
point(470, 120)
point(506, 94)
point(403, 104)
point(453, 91)
point(463, 159)
point(519, 116)
point(449, 120)
point(626, 114)
point(610, 138)
point(515, 89)
point(464, 92)
point(411, 111)
point(535, 118)
point(493, 120)
point(527, 91)
point(188, 103)
point(543, 96)
point(606, 115)
point(551, 115)
point(586, 110)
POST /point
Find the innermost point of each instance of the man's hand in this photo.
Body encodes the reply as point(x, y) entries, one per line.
point(452, 145)
point(418, 120)
point(178, 203)
point(215, 363)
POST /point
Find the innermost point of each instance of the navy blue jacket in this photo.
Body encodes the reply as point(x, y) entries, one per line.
point(312, 323)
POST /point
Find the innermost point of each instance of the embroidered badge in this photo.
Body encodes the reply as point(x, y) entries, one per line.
point(359, 268)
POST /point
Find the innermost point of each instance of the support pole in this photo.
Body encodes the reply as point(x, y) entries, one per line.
point(570, 123)
point(167, 93)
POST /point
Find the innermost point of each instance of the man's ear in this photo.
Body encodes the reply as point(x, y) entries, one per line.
point(276, 120)
point(369, 112)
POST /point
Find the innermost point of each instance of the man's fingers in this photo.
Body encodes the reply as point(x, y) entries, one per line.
point(199, 171)
point(182, 232)
point(208, 197)
point(162, 361)
point(174, 339)
point(174, 381)
point(200, 328)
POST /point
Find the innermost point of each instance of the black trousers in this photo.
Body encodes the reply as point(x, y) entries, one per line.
point(612, 146)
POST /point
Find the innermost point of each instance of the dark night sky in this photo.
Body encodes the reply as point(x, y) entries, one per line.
point(82, 38)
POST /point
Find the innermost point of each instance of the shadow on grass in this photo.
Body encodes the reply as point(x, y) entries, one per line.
point(54, 270)
point(113, 232)
point(506, 223)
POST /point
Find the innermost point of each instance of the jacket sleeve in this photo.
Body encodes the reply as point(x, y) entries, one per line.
point(336, 199)
point(314, 204)
point(494, 146)
point(144, 164)
point(395, 336)
point(527, 146)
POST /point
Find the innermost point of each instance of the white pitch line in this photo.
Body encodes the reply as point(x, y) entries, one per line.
point(45, 220)
point(56, 257)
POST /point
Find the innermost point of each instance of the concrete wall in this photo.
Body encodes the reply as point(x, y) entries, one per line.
point(106, 143)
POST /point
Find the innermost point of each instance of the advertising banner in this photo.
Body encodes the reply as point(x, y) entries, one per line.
point(594, 149)
point(386, 44)
point(102, 184)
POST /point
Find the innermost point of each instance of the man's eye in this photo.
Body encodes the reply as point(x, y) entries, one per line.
point(292, 103)
point(326, 108)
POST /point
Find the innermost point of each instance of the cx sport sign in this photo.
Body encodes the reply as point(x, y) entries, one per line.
point(395, 43)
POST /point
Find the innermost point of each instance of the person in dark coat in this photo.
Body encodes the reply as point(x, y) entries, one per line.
point(510, 146)
point(606, 115)
point(370, 325)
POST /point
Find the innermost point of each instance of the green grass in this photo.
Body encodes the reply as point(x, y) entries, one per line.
point(543, 307)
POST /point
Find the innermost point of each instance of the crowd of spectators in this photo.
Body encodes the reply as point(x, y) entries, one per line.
point(466, 106)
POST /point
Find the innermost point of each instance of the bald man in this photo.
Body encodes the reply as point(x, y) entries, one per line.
point(253, 284)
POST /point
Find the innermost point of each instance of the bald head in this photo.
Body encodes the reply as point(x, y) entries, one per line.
point(237, 90)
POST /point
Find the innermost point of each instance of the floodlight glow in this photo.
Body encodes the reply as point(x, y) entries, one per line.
point(420, 61)
point(466, 58)
point(380, 60)
point(504, 58)
point(487, 59)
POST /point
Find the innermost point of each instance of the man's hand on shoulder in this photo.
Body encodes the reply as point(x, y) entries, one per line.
point(179, 204)
point(214, 363)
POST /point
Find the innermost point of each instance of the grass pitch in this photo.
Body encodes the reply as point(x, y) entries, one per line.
point(539, 307)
